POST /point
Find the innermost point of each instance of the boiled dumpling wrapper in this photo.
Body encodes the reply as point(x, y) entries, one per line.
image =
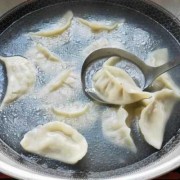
point(97, 27)
point(115, 86)
point(56, 83)
point(56, 140)
point(116, 130)
point(101, 43)
point(79, 114)
point(21, 76)
point(44, 59)
point(158, 58)
point(155, 111)
point(70, 114)
point(58, 31)
point(61, 89)
point(112, 61)
point(158, 109)
point(47, 53)
point(155, 115)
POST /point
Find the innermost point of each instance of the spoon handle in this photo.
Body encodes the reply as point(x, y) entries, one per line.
point(154, 72)
point(166, 67)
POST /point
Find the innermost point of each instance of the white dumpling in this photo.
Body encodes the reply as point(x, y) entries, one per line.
point(79, 114)
point(112, 61)
point(48, 54)
point(115, 86)
point(116, 130)
point(158, 58)
point(58, 31)
point(96, 26)
point(21, 76)
point(101, 43)
point(44, 59)
point(155, 115)
point(70, 114)
point(56, 140)
point(56, 83)
point(69, 88)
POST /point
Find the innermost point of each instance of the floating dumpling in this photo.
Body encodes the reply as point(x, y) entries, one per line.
point(116, 130)
point(44, 59)
point(69, 114)
point(96, 27)
point(158, 58)
point(56, 140)
point(69, 109)
point(155, 115)
point(115, 86)
point(57, 82)
point(48, 55)
point(21, 76)
point(54, 32)
point(101, 43)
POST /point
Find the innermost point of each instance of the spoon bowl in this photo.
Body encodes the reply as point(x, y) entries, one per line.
point(150, 73)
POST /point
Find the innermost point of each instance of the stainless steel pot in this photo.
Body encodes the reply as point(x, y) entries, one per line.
point(15, 166)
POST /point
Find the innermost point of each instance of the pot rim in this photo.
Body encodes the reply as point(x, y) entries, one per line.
point(162, 166)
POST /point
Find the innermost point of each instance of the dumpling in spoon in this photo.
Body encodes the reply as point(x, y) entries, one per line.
point(155, 115)
point(115, 86)
point(21, 78)
point(56, 140)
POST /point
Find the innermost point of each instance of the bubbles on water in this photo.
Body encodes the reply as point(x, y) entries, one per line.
point(140, 36)
point(124, 33)
point(143, 43)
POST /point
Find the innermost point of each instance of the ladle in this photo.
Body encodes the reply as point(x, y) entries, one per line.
point(150, 73)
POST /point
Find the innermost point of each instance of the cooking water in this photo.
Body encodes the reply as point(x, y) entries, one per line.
point(138, 35)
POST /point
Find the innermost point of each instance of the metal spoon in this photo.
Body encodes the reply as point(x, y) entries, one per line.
point(150, 73)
